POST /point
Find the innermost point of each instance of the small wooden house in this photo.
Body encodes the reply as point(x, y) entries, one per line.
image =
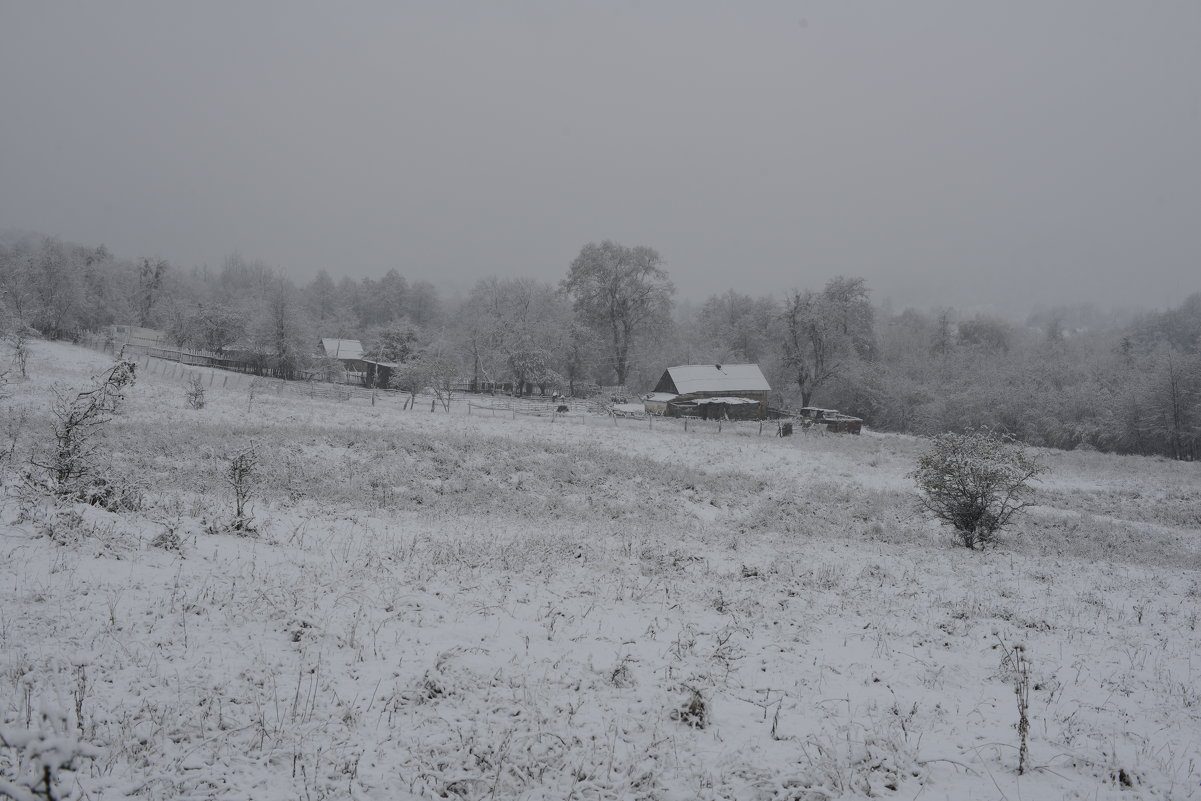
point(711, 382)
point(349, 353)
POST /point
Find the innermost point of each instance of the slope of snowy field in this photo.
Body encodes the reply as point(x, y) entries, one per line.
point(499, 606)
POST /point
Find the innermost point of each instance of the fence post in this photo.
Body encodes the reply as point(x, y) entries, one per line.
point(760, 428)
point(685, 425)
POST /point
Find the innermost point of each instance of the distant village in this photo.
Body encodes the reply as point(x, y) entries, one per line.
point(704, 391)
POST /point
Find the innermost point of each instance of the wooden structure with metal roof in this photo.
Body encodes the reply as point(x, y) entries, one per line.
point(711, 382)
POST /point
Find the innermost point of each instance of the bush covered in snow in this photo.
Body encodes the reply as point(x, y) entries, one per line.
point(976, 482)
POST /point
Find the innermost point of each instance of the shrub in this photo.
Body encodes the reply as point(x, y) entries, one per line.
point(240, 475)
point(976, 482)
point(193, 393)
point(21, 350)
point(78, 419)
point(32, 762)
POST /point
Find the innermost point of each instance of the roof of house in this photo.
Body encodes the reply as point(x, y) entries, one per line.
point(342, 348)
point(730, 401)
point(693, 378)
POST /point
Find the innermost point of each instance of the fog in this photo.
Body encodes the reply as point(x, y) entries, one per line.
point(991, 157)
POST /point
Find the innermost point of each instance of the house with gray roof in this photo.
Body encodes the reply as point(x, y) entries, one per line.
point(733, 390)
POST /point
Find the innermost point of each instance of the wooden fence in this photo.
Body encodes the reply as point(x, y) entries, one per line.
point(594, 412)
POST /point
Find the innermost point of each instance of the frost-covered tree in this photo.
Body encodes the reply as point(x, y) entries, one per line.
point(739, 325)
point(152, 274)
point(281, 332)
point(505, 320)
point(622, 292)
point(397, 343)
point(822, 331)
point(208, 327)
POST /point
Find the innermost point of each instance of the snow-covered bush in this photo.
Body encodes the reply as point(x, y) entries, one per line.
point(78, 421)
point(31, 761)
point(193, 393)
point(240, 476)
point(976, 482)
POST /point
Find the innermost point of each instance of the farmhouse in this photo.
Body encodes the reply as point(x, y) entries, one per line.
point(732, 390)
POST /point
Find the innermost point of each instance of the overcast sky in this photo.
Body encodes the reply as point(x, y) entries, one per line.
point(1002, 155)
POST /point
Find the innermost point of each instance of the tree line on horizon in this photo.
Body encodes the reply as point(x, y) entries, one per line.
point(1068, 377)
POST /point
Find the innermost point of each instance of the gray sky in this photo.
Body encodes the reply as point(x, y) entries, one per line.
point(999, 155)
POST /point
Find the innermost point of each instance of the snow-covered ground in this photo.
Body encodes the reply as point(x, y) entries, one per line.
point(504, 606)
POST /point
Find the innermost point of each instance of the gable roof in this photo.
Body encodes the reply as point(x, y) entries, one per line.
point(342, 348)
point(691, 378)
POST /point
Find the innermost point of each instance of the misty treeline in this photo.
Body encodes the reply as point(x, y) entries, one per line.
point(1065, 378)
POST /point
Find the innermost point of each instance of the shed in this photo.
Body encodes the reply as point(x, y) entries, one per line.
point(378, 373)
point(835, 421)
point(725, 407)
point(349, 352)
point(656, 402)
point(690, 382)
point(342, 349)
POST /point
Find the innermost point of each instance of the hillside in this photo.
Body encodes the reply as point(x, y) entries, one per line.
point(501, 606)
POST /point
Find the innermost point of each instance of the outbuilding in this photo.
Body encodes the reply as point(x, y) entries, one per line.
point(712, 382)
point(656, 402)
point(349, 353)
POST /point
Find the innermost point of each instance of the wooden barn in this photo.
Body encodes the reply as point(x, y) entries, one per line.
point(701, 387)
point(349, 353)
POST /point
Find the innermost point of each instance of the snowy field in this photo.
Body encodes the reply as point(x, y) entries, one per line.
point(496, 606)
